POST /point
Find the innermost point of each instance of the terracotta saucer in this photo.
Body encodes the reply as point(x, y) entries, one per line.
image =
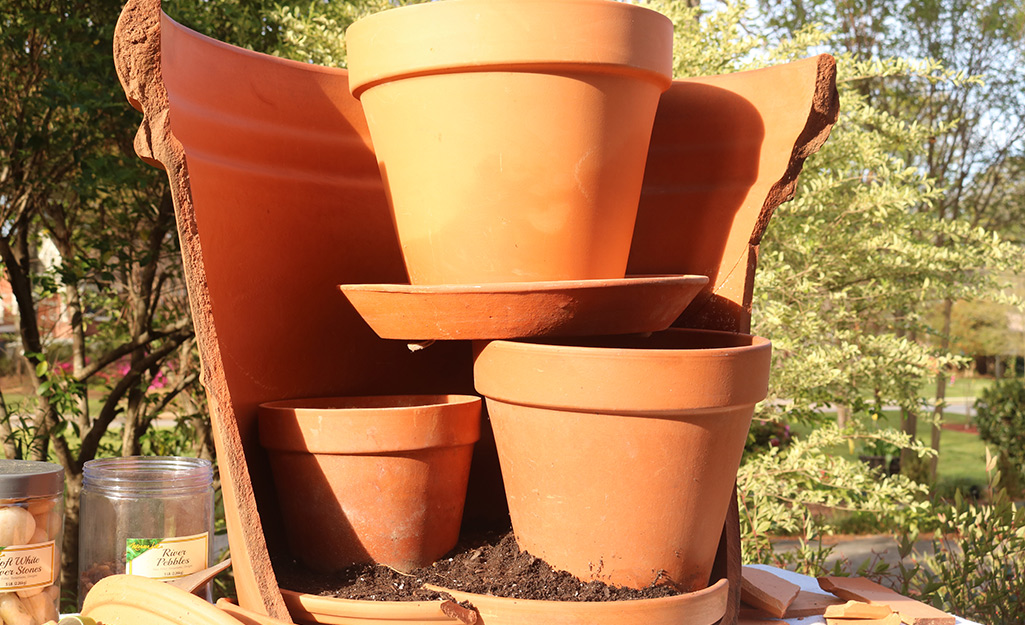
point(703, 607)
point(136, 600)
point(306, 608)
point(523, 309)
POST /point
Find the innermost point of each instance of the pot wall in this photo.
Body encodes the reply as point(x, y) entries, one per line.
point(511, 136)
point(512, 177)
point(619, 462)
point(371, 484)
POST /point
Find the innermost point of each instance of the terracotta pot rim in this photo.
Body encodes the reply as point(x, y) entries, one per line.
point(321, 426)
point(621, 375)
point(573, 347)
point(459, 36)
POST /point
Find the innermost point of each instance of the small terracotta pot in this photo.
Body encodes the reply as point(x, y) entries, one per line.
point(371, 479)
point(512, 134)
point(619, 455)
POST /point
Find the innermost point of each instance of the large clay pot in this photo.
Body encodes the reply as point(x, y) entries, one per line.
point(512, 134)
point(371, 479)
point(619, 455)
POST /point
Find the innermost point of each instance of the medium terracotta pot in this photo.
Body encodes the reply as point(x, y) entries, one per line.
point(371, 479)
point(619, 455)
point(512, 134)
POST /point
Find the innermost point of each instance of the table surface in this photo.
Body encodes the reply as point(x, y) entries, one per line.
point(810, 584)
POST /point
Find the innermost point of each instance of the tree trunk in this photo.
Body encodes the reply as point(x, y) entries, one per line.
point(941, 392)
point(843, 415)
point(69, 550)
point(78, 351)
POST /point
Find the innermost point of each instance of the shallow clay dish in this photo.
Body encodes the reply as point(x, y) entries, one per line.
point(523, 309)
point(703, 607)
point(306, 608)
point(135, 600)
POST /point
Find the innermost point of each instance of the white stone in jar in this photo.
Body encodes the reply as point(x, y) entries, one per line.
point(50, 522)
point(43, 606)
point(13, 611)
point(16, 526)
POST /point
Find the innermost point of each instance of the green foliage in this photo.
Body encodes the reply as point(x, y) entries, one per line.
point(1000, 415)
point(978, 570)
point(797, 491)
point(311, 32)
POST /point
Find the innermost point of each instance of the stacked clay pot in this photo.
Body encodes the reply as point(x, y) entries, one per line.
point(378, 479)
point(512, 134)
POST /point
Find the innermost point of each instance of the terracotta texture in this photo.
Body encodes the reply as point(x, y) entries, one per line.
point(911, 611)
point(725, 152)
point(518, 310)
point(771, 593)
point(371, 479)
point(523, 157)
point(244, 616)
point(619, 455)
point(292, 149)
point(703, 607)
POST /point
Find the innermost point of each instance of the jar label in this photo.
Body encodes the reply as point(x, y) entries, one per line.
point(28, 566)
point(166, 558)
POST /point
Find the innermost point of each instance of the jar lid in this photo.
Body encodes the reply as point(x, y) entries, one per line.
point(30, 478)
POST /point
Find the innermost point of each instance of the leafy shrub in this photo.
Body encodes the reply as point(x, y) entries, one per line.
point(1000, 415)
point(765, 434)
point(978, 570)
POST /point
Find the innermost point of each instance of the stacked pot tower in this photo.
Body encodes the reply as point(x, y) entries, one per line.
point(512, 138)
point(517, 202)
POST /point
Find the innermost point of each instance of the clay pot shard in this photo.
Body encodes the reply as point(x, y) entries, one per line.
point(379, 479)
point(512, 135)
point(619, 454)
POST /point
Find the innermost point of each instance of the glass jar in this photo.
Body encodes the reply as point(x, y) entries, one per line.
point(31, 533)
point(145, 515)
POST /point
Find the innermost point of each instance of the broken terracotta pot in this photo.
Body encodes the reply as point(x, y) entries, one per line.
point(378, 479)
point(619, 454)
point(293, 148)
point(523, 156)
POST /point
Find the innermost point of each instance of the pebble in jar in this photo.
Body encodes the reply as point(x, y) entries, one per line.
point(31, 525)
point(145, 515)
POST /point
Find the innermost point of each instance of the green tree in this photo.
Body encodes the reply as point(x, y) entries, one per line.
point(975, 124)
point(846, 272)
point(68, 178)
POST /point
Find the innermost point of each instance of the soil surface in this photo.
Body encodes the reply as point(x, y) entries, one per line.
point(491, 564)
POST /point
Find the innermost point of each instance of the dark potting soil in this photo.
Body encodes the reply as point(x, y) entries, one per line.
point(491, 564)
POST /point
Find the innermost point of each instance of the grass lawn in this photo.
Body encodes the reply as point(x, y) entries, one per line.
point(962, 460)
